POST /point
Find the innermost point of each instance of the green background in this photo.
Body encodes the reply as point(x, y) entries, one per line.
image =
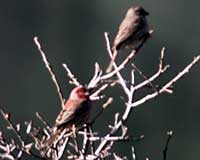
point(71, 32)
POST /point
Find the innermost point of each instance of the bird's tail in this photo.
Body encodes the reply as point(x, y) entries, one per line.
point(110, 66)
point(55, 137)
point(53, 147)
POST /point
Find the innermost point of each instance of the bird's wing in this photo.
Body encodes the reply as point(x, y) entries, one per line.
point(126, 29)
point(67, 115)
point(64, 117)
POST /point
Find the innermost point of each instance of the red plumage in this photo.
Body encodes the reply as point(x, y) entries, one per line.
point(75, 112)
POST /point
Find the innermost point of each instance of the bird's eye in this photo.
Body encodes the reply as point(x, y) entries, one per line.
point(82, 93)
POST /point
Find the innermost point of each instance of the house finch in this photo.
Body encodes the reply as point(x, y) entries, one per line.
point(132, 32)
point(75, 113)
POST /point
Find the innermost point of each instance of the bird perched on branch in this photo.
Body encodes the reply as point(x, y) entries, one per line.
point(75, 113)
point(132, 33)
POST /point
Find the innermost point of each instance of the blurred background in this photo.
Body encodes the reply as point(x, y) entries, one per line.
point(72, 32)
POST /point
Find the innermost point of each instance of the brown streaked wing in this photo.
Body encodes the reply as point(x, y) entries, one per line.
point(126, 29)
point(64, 117)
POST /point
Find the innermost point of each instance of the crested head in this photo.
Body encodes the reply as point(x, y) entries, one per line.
point(79, 93)
point(137, 10)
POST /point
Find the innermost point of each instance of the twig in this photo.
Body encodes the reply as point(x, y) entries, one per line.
point(50, 69)
point(143, 76)
point(123, 83)
point(166, 87)
point(119, 68)
point(13, 128)
point(91, 142)
point(133, 153)
point(161, 69)
point(169, 136)
point(85, 142)
point(97, 76)
point(104, 106)
point(95, 95)
point(116, 138)
point(43, 121)
point(71, 76)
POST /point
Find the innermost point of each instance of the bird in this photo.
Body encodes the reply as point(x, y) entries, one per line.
point(132, 32)
point(75, 113)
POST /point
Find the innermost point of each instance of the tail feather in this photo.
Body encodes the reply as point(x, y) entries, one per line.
point(55, 137)
point(54, 147)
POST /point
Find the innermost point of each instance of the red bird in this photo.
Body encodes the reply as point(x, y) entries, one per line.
point(75, 113)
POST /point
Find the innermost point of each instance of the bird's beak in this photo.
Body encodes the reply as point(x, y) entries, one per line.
point(146, 13)
point(90, 90)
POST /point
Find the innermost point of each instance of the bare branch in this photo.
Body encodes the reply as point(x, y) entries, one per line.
point(123, 83)
point(43, 121)
point(50, 69)
point(133, 153)
point(119, 68)
point(12, 127)
point(166, 87)
point(71, 76)
point(97, 76)
point(169, 134)
point(161, 69)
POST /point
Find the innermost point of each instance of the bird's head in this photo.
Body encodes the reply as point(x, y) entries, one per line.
point(79, 93)
point(140, 11)
point(137, 10)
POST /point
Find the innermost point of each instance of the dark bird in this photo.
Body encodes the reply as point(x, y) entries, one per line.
point(132, 33)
